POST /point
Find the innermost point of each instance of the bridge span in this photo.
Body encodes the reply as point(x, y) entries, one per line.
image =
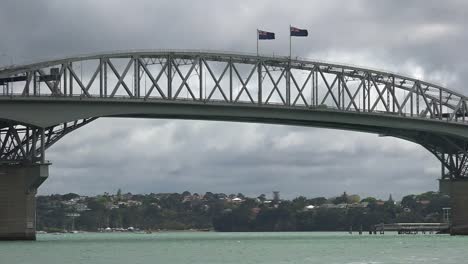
point(42, 102)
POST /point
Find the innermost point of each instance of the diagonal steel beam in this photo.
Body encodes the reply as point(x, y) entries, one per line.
point(275, 85)
point(184, 81)
point(154, 81)
point(301, 90)
point(120, 77)
point(244, 84)
point(361, 84)
point(75, 77)
point(216, 80)
point(455, 111)
point(49, 85)
point(422, 93)
point(345, 86)
point(329, 88)
point(56, 83)
point(380, 96)
point(27, 84)
point(91, 81)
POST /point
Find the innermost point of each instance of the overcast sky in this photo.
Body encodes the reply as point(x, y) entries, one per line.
point(424, 39)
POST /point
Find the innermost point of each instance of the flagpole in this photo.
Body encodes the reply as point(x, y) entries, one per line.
point(290, 42)
point(257, 42)
point(288, 80)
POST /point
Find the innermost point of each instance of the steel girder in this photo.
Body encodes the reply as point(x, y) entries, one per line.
point(213, 77)
point(451, 151)
point(454, 157)
point(27, 144)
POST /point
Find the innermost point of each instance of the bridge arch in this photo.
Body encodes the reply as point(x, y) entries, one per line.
point(52, 98)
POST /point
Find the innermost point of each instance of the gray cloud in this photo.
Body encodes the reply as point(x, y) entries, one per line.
point(425, 39)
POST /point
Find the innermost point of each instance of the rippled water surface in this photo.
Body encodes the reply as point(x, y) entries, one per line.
point(211, 247)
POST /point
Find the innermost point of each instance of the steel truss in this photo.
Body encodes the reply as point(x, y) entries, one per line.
point(267, 81)
point(209, 77)
point(27, 144)
point(453, 157)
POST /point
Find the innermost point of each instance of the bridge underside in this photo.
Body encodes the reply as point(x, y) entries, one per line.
point(32, 125)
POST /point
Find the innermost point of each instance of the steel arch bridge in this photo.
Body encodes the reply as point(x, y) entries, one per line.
point(42, 102)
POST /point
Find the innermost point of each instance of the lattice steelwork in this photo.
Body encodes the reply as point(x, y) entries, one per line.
point(209, 77)
point(22, 143)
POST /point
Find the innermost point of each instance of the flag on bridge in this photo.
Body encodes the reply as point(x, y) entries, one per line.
point(262, 35)
point(265, 34)
point(297, 32)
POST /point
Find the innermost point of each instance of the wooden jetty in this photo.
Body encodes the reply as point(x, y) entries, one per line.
point(412, 228)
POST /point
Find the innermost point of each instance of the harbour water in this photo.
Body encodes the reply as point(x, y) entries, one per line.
point(212, 247)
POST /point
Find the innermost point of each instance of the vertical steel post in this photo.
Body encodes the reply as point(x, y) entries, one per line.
point(316, 88)
point(34, 83)
point(259, 73)
point(65, 79)
point(230, 80)
point(417, 98)
point(34, 143)
point(200, 75)
point(28, 83)
point(169, 77)
point(342, 80)
point(42, 145)
point(312, 88)
point(411, 101)
point(71, 79)
point(443, 166)
point(339, 91)
point(101, 79)
point(440, 104)
point(389, 88)
point(393, 94)
point(368, 93)
point(136, 76)
point(28, 150)
point(288, 84)
point(363, 95)
point(105, 77)
point(343, 92)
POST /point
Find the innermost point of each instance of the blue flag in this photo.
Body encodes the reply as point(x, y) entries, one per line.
point(265, 35)
point(297, 32)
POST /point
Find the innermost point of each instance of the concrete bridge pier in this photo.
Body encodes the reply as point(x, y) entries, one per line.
point(457, 189)
point(18, 186)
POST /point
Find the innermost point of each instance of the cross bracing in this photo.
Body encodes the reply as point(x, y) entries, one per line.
point(24, 143)
point(207, 78)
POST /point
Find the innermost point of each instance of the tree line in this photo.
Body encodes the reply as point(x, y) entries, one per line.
point(231, 213)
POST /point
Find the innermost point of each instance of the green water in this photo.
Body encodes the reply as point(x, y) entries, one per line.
point(210, 247)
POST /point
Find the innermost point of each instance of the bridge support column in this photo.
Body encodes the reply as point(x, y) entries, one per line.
point(18, 186)
point(458, 191)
